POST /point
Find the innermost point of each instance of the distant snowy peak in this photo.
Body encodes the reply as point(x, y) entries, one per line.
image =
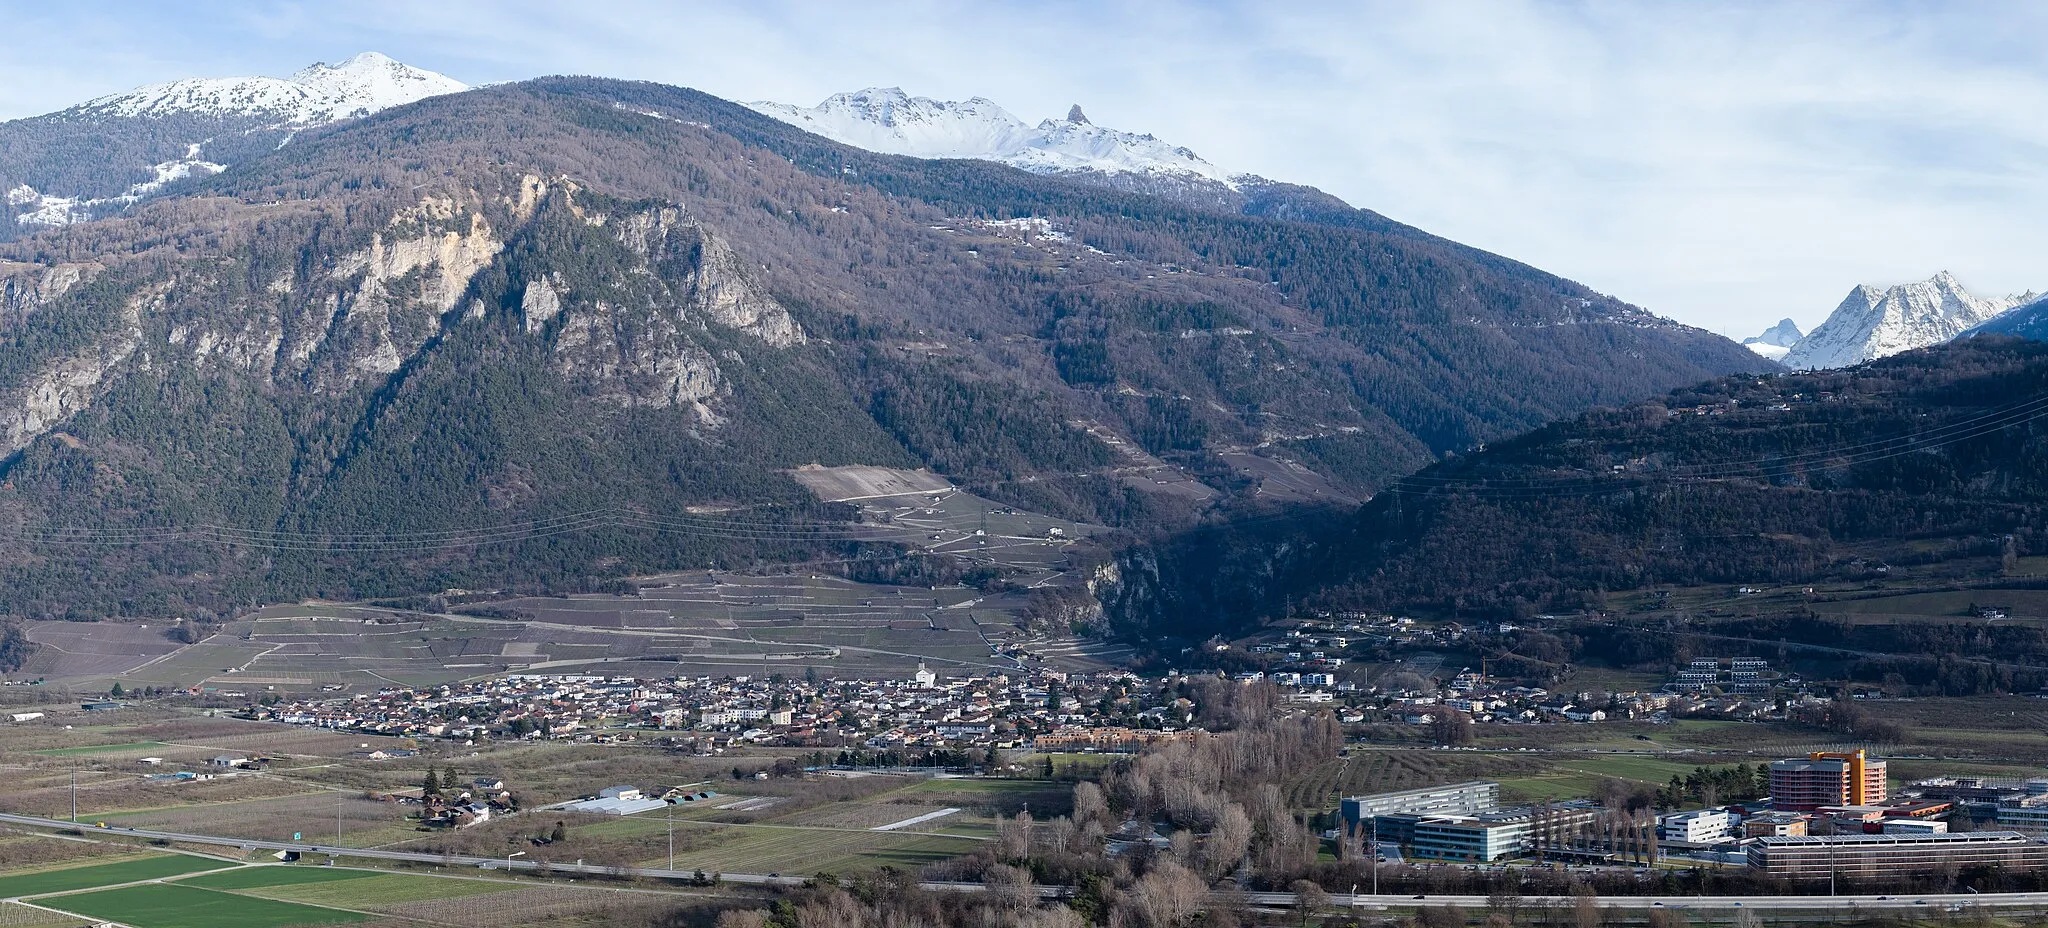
point(890, 121)
point(1872, 323)
point(1783, 335)
point(319, 94)
point(1776, 341)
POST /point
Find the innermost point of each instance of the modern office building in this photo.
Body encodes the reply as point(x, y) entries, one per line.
point(1866, 856)
point(1700, 826)
point(1485, 837)
point(2026, 816)
point(1473, 797)
point(1827, 779)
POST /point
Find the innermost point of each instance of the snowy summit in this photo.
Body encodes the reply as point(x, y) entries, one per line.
point(318, 94)
point(1776, 340)
point(889, 121)
point(227, 117)
point(1873, 323)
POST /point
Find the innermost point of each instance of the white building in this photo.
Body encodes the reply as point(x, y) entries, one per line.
point(924, 678)
point(1700, 826)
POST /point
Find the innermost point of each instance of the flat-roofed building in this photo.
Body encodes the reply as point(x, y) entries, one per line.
point(1866, 857)
point(1827, 779)
point(1775, 825)
point(1700, 826)
point(1473, 797)
point(2027, 816)
point(1485, 837)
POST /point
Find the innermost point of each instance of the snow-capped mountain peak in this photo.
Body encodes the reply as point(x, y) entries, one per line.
point(235, 115)
point(887, 120)
point(375, 82)
point(1776, 341)
point(1874, 323)
point(318, 94)
point(890, 121)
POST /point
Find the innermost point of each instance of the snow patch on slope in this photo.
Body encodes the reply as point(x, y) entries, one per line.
point(41, 209)
point(1872, 323)
point(889, 121)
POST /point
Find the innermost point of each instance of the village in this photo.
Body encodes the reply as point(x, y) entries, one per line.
point(1048, 710)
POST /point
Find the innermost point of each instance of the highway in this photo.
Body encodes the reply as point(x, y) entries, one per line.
point(2006, 903)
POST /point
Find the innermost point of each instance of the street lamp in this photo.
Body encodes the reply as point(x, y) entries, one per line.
point(508, 859)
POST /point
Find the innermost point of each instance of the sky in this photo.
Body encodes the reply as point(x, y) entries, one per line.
point(1725, 164)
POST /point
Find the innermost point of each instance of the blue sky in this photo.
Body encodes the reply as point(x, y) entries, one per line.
point(1724, 164)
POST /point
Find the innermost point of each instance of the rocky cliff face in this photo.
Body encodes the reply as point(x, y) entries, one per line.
point(25, 287)
point(61, 389)
point(634, 338)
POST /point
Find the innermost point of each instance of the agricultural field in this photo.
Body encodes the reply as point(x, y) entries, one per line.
point(379, 892)
point(2022, 606)
point(690, 622)
point(341, 818)
point(17, 915)
point(173, 905)
point(344, 887)
point(68, 879)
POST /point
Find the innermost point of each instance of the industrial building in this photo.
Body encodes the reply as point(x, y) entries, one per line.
point(616, 800)
point(1827, 779)
point(1867, 856)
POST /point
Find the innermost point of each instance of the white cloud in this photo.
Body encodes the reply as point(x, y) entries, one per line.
point(1723, 164)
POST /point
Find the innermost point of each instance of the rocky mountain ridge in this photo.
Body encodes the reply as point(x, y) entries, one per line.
point(887, 120)
point(1875, 323)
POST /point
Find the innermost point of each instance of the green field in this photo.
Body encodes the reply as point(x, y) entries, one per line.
point(169, 905)
point(127, 871)
point(265, 877)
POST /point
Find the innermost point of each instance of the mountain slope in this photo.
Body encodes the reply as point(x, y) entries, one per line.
point(1872, 323)
point(1931, 464)
point(520, 304)
point(2026, 321)
point(107, 154)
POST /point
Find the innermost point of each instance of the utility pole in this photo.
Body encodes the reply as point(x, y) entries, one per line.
point(74, 791)
point(1374, 843)
point(671, 843)
point(337, 817)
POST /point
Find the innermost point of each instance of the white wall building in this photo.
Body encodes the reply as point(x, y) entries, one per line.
point(1700, 826)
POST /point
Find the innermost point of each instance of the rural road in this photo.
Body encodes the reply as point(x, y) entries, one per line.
point(2011, 903)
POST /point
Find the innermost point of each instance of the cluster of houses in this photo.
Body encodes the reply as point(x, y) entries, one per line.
point(1102, 711)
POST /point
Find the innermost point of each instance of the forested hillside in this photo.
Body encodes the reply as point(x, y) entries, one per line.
point(1935, 461)
point(509, 307)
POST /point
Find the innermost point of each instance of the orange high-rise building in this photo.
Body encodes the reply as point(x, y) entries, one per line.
point(1827, 778)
